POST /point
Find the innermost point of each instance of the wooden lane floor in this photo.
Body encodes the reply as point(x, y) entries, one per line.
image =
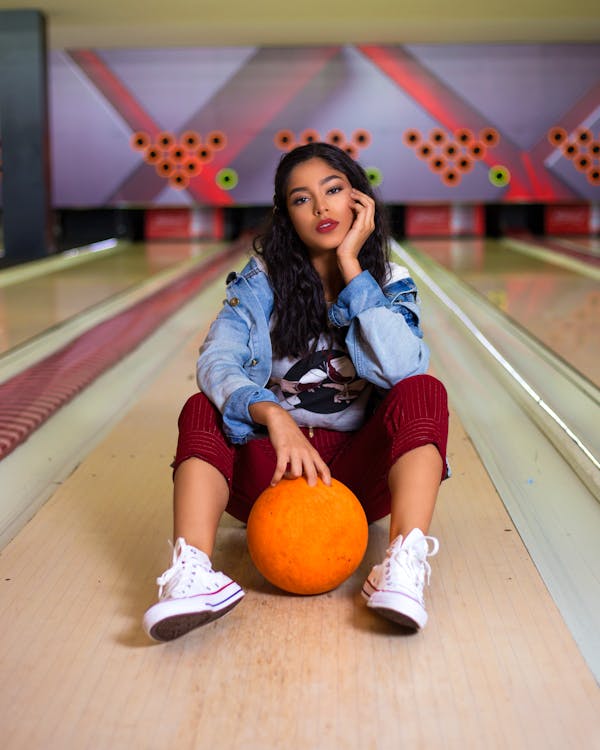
point(39, 295)
point(496, 664)
point(560, 307)
point(589, 246)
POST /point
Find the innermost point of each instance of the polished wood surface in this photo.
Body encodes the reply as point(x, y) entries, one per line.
point(496, 665)
point(559, 305)
point(41, 295)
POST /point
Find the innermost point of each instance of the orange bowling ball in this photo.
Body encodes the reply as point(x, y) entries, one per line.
point(307, 540)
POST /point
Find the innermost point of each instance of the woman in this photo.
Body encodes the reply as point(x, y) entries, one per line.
point(315, 366)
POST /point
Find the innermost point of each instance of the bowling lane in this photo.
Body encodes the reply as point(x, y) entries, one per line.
point(38, 296)
point(101, 540)
point(559, 306)
point(582, 246)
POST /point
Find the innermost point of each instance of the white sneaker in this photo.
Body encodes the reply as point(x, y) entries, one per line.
point(394, 589)
point(190, 594)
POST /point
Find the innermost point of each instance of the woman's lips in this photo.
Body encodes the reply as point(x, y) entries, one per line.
point(327, 225)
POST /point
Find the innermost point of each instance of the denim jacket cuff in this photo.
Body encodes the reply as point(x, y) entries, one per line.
point(239, 403)
point(361, 294)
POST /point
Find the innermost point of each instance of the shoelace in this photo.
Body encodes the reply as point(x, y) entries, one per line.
point(409, 558)
point(185, 565)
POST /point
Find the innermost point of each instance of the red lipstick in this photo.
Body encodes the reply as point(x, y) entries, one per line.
point(326, 225)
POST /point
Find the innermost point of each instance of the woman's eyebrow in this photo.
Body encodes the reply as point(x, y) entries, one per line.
point(321, 182)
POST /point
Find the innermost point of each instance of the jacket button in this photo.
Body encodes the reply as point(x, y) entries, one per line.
point(234, 302)
point(253, 362)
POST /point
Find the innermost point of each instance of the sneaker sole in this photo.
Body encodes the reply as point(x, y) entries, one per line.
point(396, 607)
point(173, 618)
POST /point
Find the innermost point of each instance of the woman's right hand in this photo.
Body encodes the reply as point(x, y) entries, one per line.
point(296, 456)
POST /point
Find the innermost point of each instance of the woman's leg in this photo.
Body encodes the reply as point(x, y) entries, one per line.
point(404, 446)
point(414, 481)
point(190, 592)
point(394, 464)
point(417, 416)
point(203, 469)
point(211, 475)
point(199, 499)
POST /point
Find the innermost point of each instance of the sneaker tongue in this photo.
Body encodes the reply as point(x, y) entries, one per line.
point(416, 541)
point(185, 551)
point(416, 535)
point(200, 557)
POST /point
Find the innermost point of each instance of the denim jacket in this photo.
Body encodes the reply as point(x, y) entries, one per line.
point(383, 337)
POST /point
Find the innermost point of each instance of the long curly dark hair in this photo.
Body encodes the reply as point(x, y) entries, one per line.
point(300, 310)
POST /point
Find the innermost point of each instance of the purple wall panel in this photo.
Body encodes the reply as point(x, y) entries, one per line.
point(90, 149)
point(250, 94)
point(519, 88)
point(173, 84)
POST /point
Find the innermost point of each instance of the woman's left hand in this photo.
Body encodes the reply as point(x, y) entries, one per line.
point(363, 207)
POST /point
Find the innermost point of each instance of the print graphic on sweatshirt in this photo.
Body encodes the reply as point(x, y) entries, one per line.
point(324, 382)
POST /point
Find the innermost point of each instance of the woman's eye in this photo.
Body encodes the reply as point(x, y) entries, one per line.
point(335, 189)
point(300, 199)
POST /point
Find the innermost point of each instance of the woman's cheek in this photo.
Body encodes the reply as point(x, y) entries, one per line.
point(352, 214)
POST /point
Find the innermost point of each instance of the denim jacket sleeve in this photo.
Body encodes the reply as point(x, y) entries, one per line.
point(384, 338)
point(235, 359)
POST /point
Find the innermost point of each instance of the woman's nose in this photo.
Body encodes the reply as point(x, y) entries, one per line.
point(320, 206)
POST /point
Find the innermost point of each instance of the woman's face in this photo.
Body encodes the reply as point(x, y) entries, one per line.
point(319, 205)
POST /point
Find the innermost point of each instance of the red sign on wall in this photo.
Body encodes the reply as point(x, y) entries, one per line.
point(184, 223)
point(568, 219)
point(449, 220)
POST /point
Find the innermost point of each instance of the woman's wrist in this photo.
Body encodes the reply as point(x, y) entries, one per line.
point(350, 268)
point(262, 412)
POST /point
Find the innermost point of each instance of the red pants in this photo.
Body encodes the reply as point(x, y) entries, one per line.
point(413, 413)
